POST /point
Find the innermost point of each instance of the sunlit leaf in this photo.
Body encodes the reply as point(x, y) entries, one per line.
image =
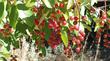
point(64, 38)
point(70, 4)
point(13, 16)
point(1, 9)
point(47, 3)
point(22, 7)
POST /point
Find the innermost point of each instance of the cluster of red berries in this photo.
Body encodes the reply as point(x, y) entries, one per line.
point(53, 24)
point(106, 41)
point(6, 30)
point(68, 51)
point(78, 41)
point(54, 40)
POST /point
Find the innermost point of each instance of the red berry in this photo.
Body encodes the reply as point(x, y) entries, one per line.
point(62, 18)
point(71, 28)
point(84, 17)
point(97, 35)
point(78, 49)
point(36, 42)
point(76, 27)
point(71, 17)
point(100, 30)
point(92, 10)
point(52, 15)
point(36, 21)
point(58, 11)
point(105, 35)
point(61, 5)
point(50, 26)
point(42, 34)
point(109, 21)
point(81, 38)
point(77, 41)
point(43, 23)
point(53, 46)
point(82, 33)
point(56, 5)
point(102, 23)
point(76, 18)
point(104, 17)
point(64, 23)
point(35, 9)
point(108, 35)
point(1, 30)
point(6, 26)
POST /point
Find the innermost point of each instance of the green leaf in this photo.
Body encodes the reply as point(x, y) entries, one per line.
point(52, 2)
point(43, 51)
point(30, 21)
point(70, 4)
point(21, 27)
point(1, 9)
point(108, 12)
point(25, 13)
point(93, 2)
point(22, 7)
point(4, 52)
point(47, 31)
point(13, 16)
point(82, 10)
point(87, 27)
point(47, 3)
point(64, 38)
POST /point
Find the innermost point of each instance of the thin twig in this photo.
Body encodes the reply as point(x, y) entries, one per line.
point(84, 45)
point(97, 51)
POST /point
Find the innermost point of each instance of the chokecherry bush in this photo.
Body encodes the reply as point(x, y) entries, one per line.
point(50, 23)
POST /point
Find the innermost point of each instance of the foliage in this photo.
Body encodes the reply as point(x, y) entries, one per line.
point(51, 22)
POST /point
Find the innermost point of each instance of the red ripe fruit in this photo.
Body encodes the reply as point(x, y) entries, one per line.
point(102, 23)
point(62, 18)
point(100, 30)
point(81, 38)
point(53, 46)
point(76, 18)
point(76, 27)
point(104, 17)
point(10, 30)
point(92, 10)
point(56, 5)
point(108, 35)
point(78, 50)
point(43, 23)
point(97, 35)
point(109, 21)
point(35, 9)
point(82, 33)
point(6, 26)
point(58, 11)
point(64, 23)
point(84, 18)
point(52, 15)
point(71, 17)
point(77, 42)
point(42, 34)
point(61, 5)
point(36, 22)
point(36, 42)
point(71, 28)
point(1, 30)
point(105, 35)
